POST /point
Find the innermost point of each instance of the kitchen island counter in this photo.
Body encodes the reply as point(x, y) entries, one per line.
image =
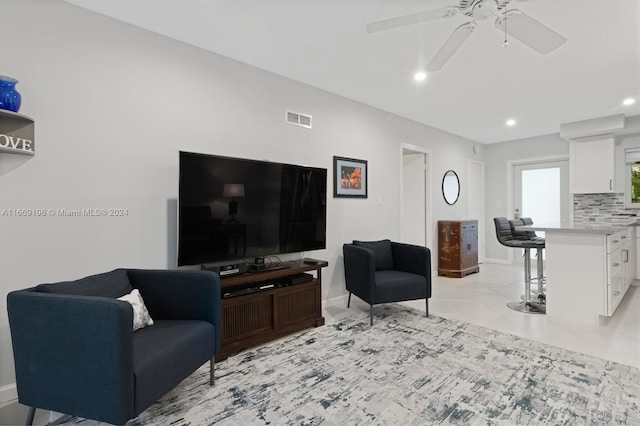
point(581, 227)
point(589, 267)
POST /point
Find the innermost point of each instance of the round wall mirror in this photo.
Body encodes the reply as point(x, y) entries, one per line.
point(450, 187)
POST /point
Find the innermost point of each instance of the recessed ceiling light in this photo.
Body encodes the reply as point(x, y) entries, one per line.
point(420, 76)
point(511, 122)
point(628, 102)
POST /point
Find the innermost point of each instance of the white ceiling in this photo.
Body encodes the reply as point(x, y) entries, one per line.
point(323, 43)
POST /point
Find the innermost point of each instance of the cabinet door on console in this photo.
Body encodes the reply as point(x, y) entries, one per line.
point(469, 245)
point(448, 244)
point(297, 303)
point(246, 316)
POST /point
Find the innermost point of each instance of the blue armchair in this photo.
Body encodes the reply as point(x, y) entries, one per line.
point(76, 352)
point(385, 271)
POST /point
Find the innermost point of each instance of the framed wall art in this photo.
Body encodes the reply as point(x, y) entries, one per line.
point(349, 177)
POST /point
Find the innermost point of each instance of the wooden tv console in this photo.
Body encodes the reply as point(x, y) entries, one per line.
point(273, 306)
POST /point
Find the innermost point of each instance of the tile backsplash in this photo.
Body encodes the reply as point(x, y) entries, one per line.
point(600, 208)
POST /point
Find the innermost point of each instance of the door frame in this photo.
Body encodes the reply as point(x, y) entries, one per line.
point(511, 165)
point(428, 210)
point(482, 234)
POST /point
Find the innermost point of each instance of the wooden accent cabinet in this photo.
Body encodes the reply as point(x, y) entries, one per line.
point(457, 248)
point(273, 306)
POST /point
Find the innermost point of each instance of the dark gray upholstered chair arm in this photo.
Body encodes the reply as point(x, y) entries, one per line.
point(411, 258)
point(179, 295)
point(359, 272)
point(82, 344)
point(414, 259)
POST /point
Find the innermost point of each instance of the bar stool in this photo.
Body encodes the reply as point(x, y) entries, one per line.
point(539, 255)
point(540, 245)
point(506, 238)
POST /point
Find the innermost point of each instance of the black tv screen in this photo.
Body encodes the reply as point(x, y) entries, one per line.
point(233, 208)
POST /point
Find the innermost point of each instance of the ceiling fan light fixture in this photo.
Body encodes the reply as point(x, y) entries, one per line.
point(629, 102)
point(511, 122)
point(485, 9)
point(522, 27)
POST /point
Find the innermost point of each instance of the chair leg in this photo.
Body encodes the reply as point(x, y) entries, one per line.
point(427, 299)
point(30, 415)
point(349, 301)
point(370, 314)
point(212, 363)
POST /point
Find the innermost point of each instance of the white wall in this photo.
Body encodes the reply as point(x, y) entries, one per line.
point(113, 105)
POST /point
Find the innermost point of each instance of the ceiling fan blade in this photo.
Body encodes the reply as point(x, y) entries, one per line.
point(410, 19)
point(453, 43)
point(530, 32)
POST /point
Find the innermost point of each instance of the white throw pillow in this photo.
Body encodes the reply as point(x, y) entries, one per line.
point(141, 317)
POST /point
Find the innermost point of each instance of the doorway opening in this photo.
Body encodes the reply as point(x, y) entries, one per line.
point(415, 196)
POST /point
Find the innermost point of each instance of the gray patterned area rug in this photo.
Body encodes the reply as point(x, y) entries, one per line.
point(407, 370)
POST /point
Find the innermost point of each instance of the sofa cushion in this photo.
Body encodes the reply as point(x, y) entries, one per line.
point(165, 354)
point(141, 317)
point(381, 251)
point(109, 284)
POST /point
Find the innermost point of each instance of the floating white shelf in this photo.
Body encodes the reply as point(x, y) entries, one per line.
point(16, 133)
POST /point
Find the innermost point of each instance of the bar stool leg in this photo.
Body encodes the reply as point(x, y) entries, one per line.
point(527, 276)
point(540, 303)
point(540, 273)
point(526, 305)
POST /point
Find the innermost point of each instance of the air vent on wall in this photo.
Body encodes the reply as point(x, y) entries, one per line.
point(298, 119)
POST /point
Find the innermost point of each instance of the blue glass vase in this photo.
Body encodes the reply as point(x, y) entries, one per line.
point(9, 97)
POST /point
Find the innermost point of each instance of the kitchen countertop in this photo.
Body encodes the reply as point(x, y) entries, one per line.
point(581, 227)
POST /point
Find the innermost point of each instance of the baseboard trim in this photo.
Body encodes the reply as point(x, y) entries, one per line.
point(337, 301)
point(498, 261)
point(8, 393)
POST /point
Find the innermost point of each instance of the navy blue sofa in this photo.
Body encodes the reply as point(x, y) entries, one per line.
point(385, 271)
point(76, 352)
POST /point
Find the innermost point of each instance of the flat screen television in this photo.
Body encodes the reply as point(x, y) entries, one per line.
point(233, 209)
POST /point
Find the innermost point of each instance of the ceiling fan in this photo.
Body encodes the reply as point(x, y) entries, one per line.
point(517, 24)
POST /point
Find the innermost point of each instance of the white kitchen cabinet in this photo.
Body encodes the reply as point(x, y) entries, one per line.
point(628, 256)
point(621, 259)
point(587, 271)
point(617, 259)
point(592, 165)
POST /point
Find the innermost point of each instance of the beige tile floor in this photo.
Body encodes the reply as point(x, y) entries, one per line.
point(481, 299)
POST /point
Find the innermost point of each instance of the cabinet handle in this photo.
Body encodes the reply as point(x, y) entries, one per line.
point(626, 255)
point(610, 184)
point(616, 264)
point(615, 241)
point(616, 293)
point(624, 237)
